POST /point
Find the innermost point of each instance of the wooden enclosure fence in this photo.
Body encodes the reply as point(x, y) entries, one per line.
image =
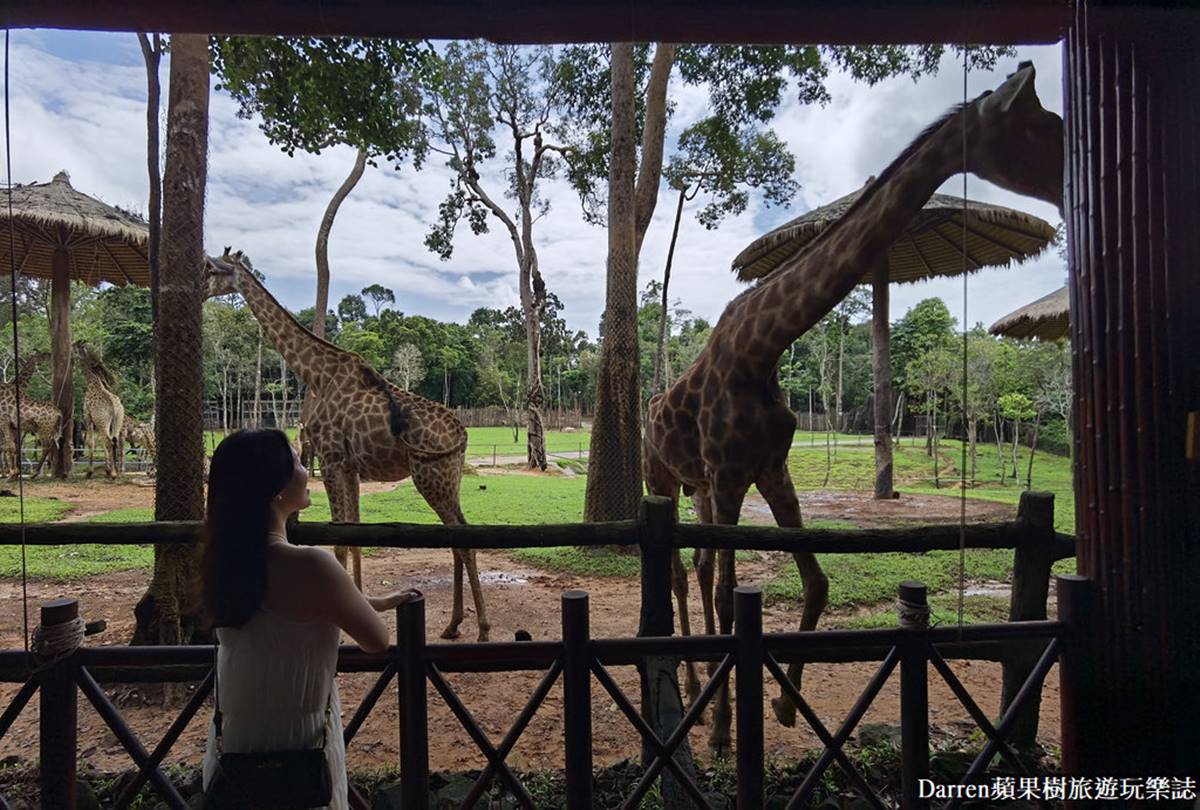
point(581, 661)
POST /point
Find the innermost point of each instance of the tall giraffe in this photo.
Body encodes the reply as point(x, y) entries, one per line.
point(44, 420)
point(103, 412)
point(10, 443)
point(725, 424)
point(362, 427)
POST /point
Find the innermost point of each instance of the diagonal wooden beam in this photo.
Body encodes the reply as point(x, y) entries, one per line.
point(18, 702)
point(129, 741)
point(800, 798)
point(164, 746)
point(831, 744)
point(514, 733)
point(476, 734)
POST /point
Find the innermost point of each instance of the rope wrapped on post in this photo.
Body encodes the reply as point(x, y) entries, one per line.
point(55, 642)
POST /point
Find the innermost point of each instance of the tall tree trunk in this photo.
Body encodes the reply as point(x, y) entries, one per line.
point(1037, 421)
point(972, 430)
point(933, 447)
point(614, 481)
point(1016, 436)
point(998, 425)
point(839, 424)
point(533, 299)
point(152, 53)
point(881, 362)
point(660, 351)
point(166, 613)
point(322, 256)
point(258, 384)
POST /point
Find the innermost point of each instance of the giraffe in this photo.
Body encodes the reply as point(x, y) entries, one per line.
point(140, 434)
point(44, 420)
point(103, 413)
point(9, 442)
point(362, 427)
point(725, 424)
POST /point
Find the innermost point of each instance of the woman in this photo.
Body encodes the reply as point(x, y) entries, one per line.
point(278, 609)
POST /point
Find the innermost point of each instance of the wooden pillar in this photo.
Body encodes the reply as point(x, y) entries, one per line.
point(577, 699)
point(881, 363)
point(63, 392)
point(1133, 213)
point(914, 698)
point(414, 706)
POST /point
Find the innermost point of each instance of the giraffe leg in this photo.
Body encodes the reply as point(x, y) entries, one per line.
point(438, 482)
point(91, 437)
point(660, 481)
point(456, 609)
point(351, 489)
point(338, 490)
point(727, 506)
point(476, 593)
point(777, 490)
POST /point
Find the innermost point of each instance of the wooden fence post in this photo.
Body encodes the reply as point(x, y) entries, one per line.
point(414, 710)
point(1032, 559)
point(57, 730)
point(747, 624)
point(1076, 677)
point(577, 699)
point(662, 705)
point(914, 694)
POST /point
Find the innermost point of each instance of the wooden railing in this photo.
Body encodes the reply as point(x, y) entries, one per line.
point(658, 536)
point(579, 661)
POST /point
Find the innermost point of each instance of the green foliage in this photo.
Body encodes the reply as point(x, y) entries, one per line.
point(315, 92)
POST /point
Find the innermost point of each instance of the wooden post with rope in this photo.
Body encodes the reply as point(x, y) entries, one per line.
point(54, 645)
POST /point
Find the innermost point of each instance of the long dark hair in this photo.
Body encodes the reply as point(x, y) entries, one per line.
point(249, 468)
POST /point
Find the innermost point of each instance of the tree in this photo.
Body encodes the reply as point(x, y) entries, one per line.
point(929, 374)
point(407, 366)
point(478, 86)
point(352, 310)
point(152, 51)
point(379, 295)
point(165, 614)
point(1016, 407)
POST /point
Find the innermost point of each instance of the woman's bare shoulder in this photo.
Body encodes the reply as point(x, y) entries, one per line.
point(299, 576)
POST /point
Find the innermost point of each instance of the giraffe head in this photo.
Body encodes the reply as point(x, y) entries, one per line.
point(221, 273)
point(1016, 143)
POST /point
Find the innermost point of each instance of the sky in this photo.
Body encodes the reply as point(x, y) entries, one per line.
point(78, 102)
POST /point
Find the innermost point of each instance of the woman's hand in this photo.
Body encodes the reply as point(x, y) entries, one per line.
point(392, 600)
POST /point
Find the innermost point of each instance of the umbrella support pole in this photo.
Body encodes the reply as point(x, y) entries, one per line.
point(60, 352)
point(881, 361)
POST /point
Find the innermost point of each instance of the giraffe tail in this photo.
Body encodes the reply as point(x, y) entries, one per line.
point(397, 413)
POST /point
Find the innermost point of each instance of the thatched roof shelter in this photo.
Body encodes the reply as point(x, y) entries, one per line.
point(932, 245)
point(1047, 318)
point(103, 243)
point(62, 234)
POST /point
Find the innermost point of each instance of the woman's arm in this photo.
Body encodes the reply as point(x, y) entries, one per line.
point(391, 600)
point(344, 605)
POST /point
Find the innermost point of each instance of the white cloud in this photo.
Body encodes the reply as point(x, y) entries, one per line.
point(78, 104)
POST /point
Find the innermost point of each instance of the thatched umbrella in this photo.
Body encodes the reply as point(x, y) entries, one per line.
point(1047, 318)
point(930, 246)
point(62, 234)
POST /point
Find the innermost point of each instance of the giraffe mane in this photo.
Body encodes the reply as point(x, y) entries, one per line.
point(97, 367)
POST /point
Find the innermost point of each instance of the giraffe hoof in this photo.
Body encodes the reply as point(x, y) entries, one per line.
point(784, 712)
point(483, 635)
point(450, 633)
point(720, 749)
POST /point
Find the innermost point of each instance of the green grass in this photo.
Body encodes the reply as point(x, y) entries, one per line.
point(482, 440)
point(37, 510)
point(492, 499)
point(133, 514)
point(213, 437)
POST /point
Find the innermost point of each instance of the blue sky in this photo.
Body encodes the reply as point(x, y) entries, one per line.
point(78, 103)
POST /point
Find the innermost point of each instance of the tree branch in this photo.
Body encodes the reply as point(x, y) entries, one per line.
point(650, 172)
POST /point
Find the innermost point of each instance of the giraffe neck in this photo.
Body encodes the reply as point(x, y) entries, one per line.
point(26, 372)
point(808, 286)
point(312, 358)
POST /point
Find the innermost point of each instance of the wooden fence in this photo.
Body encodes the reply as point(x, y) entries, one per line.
point(577, 658)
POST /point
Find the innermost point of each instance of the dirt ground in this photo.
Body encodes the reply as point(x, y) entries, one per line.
point(518, 598)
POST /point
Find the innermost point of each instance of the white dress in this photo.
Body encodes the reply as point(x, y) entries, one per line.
point(276, 676)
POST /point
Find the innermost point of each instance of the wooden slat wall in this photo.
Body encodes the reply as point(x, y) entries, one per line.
point(1133, 216)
